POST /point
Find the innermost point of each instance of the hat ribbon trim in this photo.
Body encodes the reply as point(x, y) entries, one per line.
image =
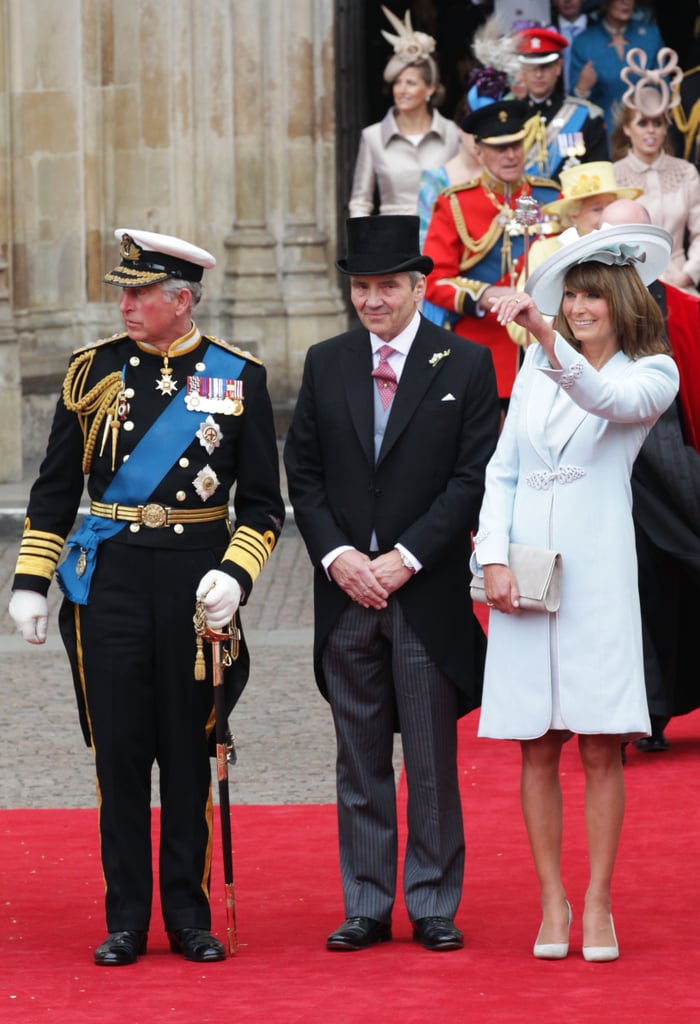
point(621, 254)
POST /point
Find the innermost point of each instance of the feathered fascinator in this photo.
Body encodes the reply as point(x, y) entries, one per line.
point(485, 85)
point(495, 48)
point(409, 47)
point(652, 91)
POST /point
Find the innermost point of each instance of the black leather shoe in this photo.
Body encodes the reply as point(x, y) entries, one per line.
point(437, 933)
point(358, 933)
point(196, 944)
point(654, 744)
point(120, 949)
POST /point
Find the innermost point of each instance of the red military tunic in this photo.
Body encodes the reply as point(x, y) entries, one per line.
point(475, 241)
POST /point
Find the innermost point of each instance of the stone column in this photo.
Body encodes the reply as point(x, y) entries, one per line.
point(10, 377)
point(252, 285)
point(281, 250)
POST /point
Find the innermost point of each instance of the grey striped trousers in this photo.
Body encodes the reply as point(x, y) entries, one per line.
point(375, 667)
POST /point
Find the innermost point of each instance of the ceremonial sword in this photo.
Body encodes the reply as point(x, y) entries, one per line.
point(222, 657)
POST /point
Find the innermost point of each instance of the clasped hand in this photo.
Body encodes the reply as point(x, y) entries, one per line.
point(501, 588)
point(369, 581)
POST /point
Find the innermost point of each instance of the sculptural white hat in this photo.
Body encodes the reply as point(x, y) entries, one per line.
point(642, 246)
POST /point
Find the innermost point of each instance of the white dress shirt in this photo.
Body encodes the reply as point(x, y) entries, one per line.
point(397, 360)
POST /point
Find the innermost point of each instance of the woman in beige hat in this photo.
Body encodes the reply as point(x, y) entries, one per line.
point(643, 157)
point(412, 136)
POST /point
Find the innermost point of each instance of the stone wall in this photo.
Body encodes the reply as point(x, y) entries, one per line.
point(208, 119)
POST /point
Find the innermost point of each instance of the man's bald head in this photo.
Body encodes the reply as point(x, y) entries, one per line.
point(625, 211)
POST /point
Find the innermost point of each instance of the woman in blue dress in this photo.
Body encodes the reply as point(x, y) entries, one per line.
point(599, 54)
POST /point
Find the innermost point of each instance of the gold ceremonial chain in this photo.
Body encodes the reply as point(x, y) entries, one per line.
point(101, 402)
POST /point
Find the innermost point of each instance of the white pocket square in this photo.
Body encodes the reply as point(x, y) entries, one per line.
point(448, 398)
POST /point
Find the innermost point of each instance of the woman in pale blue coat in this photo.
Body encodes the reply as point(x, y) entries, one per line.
point(584, 401)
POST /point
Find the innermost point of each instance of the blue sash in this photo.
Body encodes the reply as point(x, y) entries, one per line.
point(137, 478)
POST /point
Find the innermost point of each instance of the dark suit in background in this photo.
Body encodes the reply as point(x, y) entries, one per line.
point(417, 655)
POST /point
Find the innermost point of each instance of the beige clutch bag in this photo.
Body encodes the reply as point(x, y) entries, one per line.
point(538, 572)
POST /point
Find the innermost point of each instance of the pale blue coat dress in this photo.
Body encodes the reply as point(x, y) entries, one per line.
point(560, 478)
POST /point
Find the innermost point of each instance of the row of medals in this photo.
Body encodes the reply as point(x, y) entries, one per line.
point(205, 394)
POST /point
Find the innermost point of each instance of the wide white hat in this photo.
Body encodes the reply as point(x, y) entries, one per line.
point(642, 246)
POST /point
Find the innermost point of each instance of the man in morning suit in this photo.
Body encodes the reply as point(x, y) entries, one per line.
point(385, 459)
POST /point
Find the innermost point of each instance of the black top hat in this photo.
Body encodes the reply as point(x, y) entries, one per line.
point(383, 244)
point(498, 123)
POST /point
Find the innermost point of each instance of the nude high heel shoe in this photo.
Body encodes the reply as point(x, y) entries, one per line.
point(602, 954)
point(553, 950)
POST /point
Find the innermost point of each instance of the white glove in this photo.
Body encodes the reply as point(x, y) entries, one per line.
point(221, 595)
point(30, 613)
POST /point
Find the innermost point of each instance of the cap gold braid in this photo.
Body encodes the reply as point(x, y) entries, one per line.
point(101, 401)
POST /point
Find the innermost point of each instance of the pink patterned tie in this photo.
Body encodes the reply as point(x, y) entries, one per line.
point(385, 376)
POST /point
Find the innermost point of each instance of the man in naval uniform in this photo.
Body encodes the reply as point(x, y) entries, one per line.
point(562, 130)
point(475, 238)
point(163, 421)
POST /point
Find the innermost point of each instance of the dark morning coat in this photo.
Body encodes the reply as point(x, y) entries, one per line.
point(424, 492)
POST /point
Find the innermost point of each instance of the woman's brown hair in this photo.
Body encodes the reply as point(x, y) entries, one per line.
point(635, 317)
point(621, 144)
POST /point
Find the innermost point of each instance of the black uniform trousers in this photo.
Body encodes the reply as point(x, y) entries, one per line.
point(137, 643)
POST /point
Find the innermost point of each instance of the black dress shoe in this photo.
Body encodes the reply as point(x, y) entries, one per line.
point(120, 949)
point(437, 933)
point(654, 744)
point(358, 933)
point(196, 944)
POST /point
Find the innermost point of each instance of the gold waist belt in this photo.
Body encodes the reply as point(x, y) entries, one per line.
point(155, 516)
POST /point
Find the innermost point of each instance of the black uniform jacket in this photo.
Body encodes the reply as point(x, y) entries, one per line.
point(243, 454)
point(560, 107)
point(424, 491)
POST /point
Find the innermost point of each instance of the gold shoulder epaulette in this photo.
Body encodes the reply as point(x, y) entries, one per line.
point(100, 342)
point(232, 348)
point(461, 188)
point(542, 182)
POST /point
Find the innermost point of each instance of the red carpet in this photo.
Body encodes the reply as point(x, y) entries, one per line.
point(288, 899)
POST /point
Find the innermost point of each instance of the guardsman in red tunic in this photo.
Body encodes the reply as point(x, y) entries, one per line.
point(476, 239)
